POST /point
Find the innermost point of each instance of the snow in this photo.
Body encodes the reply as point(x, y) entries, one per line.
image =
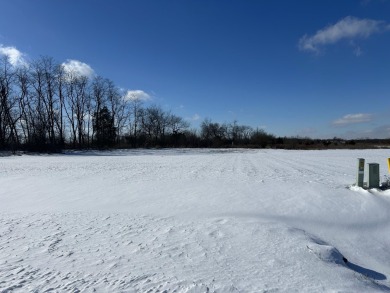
point(193, 221)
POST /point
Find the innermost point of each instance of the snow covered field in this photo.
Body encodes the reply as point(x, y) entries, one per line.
point(193, 221)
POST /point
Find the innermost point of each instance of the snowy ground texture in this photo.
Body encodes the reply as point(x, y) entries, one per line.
point(193, 221)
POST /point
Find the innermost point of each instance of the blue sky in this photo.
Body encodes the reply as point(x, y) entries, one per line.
point(307, 68)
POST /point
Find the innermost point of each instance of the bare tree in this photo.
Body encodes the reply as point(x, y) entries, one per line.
point(177, 124)
point(210, 130)
point(122, 116)
point(25, 104)
point(50, 98)
point(119, 107)
point(41, 121)
point(136, 113)
point(76, 108)
point(60, 77)
point(154, 124)
point(9, 115)
point(238, 134)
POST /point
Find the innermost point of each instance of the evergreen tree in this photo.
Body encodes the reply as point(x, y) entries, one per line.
point(104, 128)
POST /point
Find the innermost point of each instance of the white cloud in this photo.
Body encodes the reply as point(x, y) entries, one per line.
point(349, 28)
point(78, 68)
point(352, 119)
point(134, 95)
point(16, 58)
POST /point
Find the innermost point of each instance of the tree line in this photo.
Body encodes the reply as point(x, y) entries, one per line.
point(45, 107)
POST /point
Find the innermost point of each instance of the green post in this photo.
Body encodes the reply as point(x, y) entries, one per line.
point(373, 175)
point(360, 173)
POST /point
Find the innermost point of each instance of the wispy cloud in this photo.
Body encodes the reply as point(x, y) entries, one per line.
point(381, 132)
point(352, 119)
point(134, 95)
point(364, 2)
point(357, 51)
point(194, 117)
point(307, 132)
point(15, 57)
point(78, 68)
point(349, 28)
